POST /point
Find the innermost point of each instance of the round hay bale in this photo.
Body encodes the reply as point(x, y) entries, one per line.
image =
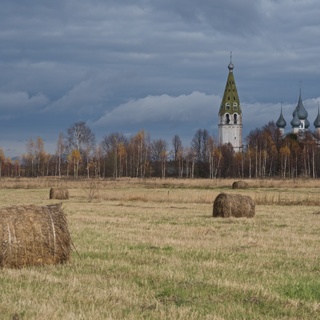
point(33, 235)
point(59, 193)
point(233, 205)
point(240, 185)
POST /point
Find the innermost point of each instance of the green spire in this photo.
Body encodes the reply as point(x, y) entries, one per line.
point(230, 102)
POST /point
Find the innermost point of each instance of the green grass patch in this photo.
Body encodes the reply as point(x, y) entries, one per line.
point(306, 289)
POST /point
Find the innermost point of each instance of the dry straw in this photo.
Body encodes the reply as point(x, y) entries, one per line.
point(33, 235)
point(59, 193)
point(233, 205)
point(240, 185)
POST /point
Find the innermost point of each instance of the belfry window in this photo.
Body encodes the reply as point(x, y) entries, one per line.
point(235, 118)
point(227, 118)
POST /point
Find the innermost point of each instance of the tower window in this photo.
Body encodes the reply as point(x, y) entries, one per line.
point(227, 118)
point(235, 118)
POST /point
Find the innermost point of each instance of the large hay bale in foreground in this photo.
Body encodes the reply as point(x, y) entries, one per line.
point(233, 205)
point(59, 193)
point(33, 235)
point(240, 185)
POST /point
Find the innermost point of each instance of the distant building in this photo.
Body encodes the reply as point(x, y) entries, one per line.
point(230, 114)
point(299, 122)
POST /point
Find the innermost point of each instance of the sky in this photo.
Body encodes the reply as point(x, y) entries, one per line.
point(157, 65)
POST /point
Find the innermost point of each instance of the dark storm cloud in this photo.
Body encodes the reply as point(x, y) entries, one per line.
point(223, 16)
point(159, 65)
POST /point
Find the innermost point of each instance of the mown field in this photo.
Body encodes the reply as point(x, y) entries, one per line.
point(150, 249)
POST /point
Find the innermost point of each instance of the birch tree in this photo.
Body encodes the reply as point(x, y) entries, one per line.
point(80, 138)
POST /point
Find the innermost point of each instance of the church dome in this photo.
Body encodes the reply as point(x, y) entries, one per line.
point(295, 122)
point(281, 122)
point(317, 121)
point(306, 124)
point(301, 111)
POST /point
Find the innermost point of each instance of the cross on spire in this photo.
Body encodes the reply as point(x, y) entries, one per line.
point(230, 66)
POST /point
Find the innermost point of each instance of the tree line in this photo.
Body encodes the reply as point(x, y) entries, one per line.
point(266, 153)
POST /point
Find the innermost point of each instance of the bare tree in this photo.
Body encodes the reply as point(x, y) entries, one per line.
point(139, 149)
point(40, 156)
point(215, 156)
point(177, 146)
point(178, 154)
point(98, 161)
point(59, 151)
point(30, 156)
point(159, 155)
point(190, 159)
point(199, 146)
point(82, 139)
point(284, 154)
point(114, 147)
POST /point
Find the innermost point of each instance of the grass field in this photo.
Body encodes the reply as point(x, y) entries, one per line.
point(151, 249)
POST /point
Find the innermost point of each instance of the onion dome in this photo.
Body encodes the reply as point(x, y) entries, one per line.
point(295, 122)
point(301, 111)
point(281, 123)
point(317, 121)
point(306, 124)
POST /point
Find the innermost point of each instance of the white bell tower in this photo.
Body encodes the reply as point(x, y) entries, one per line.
point(230, 114)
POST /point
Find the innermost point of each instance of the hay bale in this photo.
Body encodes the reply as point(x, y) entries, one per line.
point(59, 193)
point(233, 205)
point(240, 185)
point(33, 235)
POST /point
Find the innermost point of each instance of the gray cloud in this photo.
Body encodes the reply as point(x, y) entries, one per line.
point(152, 109)
point(159, 65)
point(223, 16)
point(12, 102)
